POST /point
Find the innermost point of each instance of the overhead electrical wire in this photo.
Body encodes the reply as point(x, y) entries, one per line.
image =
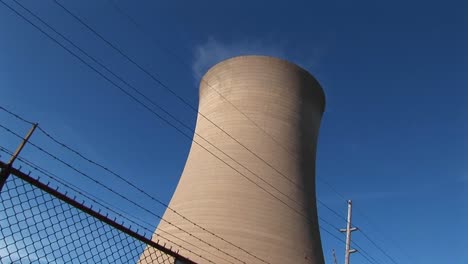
point(194, 109)
point(166, 87)
point(61, 45)
point(180, 98)
point(182, 61)
point(141, 28)
point(131, 96)
point(136, 24)
point(105, 77)
point(162, 109)
point(186, 103)
point(182, 132)
point(171, 116)
point(154, 78)
point(377, 246)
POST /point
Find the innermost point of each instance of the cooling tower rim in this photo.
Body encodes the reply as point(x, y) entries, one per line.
point(265, 57)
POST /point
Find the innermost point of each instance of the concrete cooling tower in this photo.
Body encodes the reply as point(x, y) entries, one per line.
point(256, 189)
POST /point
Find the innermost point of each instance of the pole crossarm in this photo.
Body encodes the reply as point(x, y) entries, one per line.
point(348, 230)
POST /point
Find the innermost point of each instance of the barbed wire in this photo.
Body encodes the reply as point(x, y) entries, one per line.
point(106, 205)
point(118, 194)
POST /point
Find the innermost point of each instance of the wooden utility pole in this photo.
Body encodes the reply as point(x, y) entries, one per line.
point(348, 231)
point(6, 171)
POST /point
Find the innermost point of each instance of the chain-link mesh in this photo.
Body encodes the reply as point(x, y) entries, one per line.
point(37, 227)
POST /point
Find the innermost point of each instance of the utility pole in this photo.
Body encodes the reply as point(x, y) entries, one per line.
point(348, 231)
point(6, 171)
point(334, 257)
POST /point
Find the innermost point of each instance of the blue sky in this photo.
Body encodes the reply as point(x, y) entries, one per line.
point(393, 137)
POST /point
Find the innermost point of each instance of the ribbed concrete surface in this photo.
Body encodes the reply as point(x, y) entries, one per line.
point(286, 102)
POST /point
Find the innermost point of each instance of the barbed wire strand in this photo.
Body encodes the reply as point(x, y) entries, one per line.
point(117, 193)
point(95, 200)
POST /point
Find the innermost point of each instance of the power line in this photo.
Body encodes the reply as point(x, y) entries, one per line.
point(367, 257)
point(379, 248)
point(180, 98)
point(182, 61)
point(180, 131)
point(386, 235)
point(186, 103)
point(167, 88)
point(192, 107)
point(157, 114)
point(137, 25)
point(153, 77)
point(108, 170)
point(165, 119)
point(15, 115)
point(41, 129)
point(134, 98)
point(175, 94)
point(160, 108)
point(364, 254)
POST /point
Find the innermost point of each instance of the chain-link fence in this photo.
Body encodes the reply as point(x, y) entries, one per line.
point(38, 224)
